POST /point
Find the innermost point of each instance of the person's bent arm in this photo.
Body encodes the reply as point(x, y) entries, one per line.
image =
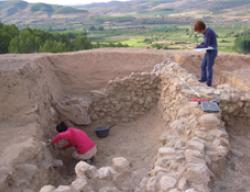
point(59, 137)
point(66, 146)
point(206, 43)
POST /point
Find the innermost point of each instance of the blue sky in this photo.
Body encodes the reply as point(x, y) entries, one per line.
point(68, 2)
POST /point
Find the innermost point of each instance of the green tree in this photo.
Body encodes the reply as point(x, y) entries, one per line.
point(242, 44)
point(92, 28)
point(33, 40)
point(81, 42)
point(25, 42)
point(100, 28)
point(4, 41)
point(7, 32)
point(53, 46)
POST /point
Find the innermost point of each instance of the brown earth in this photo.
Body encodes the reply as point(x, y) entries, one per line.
point(31, 82)
point(140, 147)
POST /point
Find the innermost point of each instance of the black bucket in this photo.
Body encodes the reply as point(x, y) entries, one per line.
point(102, 132)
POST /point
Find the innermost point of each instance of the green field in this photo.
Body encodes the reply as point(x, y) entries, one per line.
point(172, 36)
point(167, 36)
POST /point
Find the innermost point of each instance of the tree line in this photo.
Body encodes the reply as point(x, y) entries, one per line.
point(14, 40)
point(242, 43)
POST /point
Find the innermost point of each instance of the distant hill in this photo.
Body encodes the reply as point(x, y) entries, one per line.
point(117, 13)
point(179, 5)
point(225, 10)
point(22, 13)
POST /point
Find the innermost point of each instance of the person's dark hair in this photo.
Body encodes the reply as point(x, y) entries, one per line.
point(199, 26)
point(61, 127)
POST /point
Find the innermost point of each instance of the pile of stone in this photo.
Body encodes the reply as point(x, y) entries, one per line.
point(115, 178)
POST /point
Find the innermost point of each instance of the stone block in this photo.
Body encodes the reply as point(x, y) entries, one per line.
point(191, 190)
point(182, 183)
point(167, 151)
point(166, 183)
point(106, 173)
point(120, 164)
point(197, 173)
point(209, 120)
point(79, 184)
point(47, 188)
point(196, 144)
point(83, 169)
point(151, 185)
point(174, 190)
point(64, 188)
point(109, 189)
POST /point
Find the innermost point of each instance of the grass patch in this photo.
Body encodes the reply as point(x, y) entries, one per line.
point(135, 42)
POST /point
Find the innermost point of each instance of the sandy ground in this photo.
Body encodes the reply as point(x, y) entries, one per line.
point(236, 176)
point(137, 141)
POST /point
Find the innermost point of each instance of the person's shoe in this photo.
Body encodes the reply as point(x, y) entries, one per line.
point(202, 81)
point(209, 84)
point(92, 159)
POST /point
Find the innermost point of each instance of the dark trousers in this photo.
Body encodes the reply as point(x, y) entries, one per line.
point(207, 66)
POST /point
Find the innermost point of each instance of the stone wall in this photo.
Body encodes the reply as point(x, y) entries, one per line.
point(234, 103)
point(126, 99)
point(122, 100)
point(194, 141)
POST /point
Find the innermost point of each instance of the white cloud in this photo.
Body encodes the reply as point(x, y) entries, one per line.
point(68, 2)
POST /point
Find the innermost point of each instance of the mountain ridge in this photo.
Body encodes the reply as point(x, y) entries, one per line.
point(135, 11)
point(24, 14)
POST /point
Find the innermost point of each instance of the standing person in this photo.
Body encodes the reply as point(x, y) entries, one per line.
point(85, 148)
point(210, 40)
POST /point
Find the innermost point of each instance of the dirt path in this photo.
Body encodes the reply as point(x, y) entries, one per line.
point(236, 177)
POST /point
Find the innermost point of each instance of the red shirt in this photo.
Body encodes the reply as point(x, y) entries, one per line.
point(75, 138)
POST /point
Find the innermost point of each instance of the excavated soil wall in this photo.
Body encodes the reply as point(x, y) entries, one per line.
point(233, 172)
point(229, 68)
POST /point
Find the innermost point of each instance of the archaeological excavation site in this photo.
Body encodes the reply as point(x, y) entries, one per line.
point(160, 140)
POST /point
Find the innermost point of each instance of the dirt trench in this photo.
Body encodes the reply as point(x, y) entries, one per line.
point(78, 73)
point(140, 148)
point(235, 172)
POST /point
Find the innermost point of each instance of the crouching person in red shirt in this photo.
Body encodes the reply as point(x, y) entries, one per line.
point(85, 148)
